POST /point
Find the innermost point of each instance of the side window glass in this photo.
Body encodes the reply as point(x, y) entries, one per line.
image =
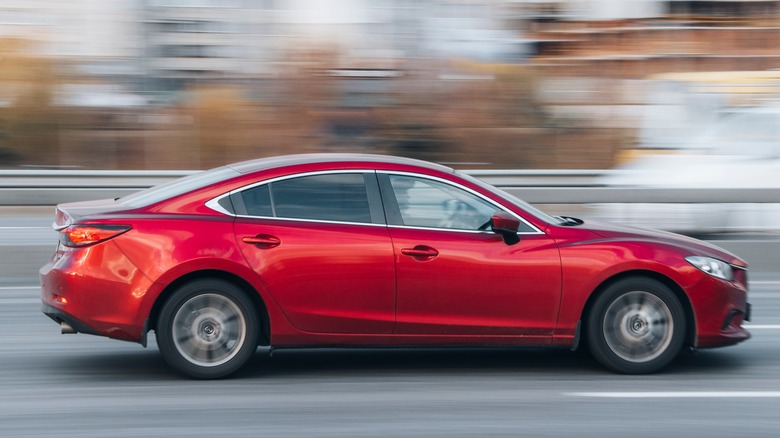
point(257, 201)
point(338, 197)
point(432, 204)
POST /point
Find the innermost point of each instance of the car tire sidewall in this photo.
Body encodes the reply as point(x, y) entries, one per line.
point(597, 342)
point(164, 331)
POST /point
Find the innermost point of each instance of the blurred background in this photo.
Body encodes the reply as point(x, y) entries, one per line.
point(660, 93)
point(192, 84)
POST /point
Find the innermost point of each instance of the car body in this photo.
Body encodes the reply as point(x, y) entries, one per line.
point(369, 250)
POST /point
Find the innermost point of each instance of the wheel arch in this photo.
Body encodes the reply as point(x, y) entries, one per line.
point(245, 286)
point(690, 318)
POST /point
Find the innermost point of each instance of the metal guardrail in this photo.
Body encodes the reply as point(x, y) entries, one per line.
point(50, 187)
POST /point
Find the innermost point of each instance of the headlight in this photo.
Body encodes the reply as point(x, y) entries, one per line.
point(714, 267)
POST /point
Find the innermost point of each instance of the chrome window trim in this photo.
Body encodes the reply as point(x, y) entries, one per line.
point(214, 202)
point(473, 192)
point(298, 175)
point(317, 221)
point(451, 230)
point(214, 205)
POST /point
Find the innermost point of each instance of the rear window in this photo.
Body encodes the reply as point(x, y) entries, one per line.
point(178, 187)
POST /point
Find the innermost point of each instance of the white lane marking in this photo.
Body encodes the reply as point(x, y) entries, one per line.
point(19, 287)
point(26, 228)
point(762, 326)
point(679, 394)
point(765, 282)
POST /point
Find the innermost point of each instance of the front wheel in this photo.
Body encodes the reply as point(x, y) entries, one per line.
point(636, 326)
point(207, 329)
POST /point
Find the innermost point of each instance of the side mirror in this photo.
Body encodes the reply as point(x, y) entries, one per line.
point(506, 225)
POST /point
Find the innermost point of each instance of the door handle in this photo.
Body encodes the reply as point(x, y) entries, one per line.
point(262, 240)
point(420, 252)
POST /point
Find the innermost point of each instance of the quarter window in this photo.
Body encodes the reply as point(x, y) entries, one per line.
point(340, 197)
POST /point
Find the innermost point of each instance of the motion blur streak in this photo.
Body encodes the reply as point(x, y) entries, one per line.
point(193, 84)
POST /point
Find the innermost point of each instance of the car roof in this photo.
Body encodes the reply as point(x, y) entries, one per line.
point(250, 166)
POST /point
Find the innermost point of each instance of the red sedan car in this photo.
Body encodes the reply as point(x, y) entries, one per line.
point(366, 250)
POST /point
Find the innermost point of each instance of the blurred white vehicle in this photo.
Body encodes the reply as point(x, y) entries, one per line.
point(740, 150)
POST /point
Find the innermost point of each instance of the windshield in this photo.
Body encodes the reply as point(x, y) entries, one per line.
point(177, 187)
point(539, 214)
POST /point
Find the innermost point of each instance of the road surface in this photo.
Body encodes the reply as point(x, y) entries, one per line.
point(85, 386)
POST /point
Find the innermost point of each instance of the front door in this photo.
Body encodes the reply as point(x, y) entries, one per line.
point(455, 277)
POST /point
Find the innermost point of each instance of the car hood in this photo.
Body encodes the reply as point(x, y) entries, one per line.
point(695, 246)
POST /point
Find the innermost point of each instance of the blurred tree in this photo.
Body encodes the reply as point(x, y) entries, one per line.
point(29, 121)
point(411, 123)
point(217, 114)
point(490, 115)
point(516, 101)
point(497, 119)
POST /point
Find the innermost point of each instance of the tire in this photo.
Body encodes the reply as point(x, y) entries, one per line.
point(208, 329)
point(636, 326)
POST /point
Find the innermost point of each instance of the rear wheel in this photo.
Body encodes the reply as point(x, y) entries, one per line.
point(636, 326)
point(207, 329)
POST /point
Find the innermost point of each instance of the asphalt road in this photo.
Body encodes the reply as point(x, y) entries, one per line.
point(85, 386)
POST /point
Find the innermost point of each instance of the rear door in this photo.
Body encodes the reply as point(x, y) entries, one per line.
point(320, 245)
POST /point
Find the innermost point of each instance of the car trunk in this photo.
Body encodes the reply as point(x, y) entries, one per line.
point(73, 212)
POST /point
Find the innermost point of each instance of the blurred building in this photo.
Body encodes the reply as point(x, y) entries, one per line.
point(76, 28)
point(191, 40)
point(613, 10)
point(196, 39)
point(101, 35)
point(535, 74)
point(167, 44)
point(160, 45)
point(703, 35)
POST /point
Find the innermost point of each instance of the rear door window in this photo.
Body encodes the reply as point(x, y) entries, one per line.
point(339, 197)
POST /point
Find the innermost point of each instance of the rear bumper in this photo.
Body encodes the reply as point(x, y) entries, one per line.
point(81, 327)
point(59, 317)
point(77, 288)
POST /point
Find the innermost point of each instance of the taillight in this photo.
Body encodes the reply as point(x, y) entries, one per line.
point(83, 235)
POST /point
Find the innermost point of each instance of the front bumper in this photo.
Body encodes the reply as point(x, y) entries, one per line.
point(720, 308)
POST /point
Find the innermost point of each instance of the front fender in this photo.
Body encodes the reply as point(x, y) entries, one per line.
point(587, 266)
